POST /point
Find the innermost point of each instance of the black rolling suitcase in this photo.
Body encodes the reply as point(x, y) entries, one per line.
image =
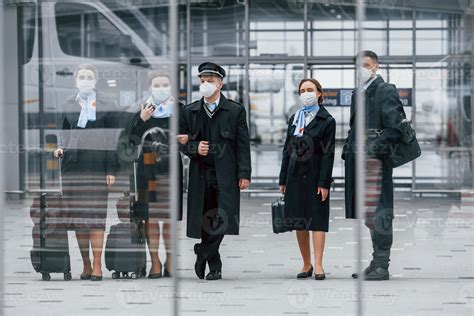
point(50, 253)
point(125, 248)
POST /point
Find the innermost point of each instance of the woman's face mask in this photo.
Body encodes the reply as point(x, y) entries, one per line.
point(308, 98)
point(85, 86)
point(160, 89)
point(160, 94)
point(85, 81)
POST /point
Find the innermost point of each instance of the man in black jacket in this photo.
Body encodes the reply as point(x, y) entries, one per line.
point(219, 148)
point(379, 182)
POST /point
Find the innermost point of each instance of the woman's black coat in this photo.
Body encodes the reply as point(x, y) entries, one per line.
point(93, 148)
point(160, 171)
point(306, 165)
point(232, 162)
point(89, 156)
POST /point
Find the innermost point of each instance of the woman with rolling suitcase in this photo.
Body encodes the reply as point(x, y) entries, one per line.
point(88, 166)
point(150, 132)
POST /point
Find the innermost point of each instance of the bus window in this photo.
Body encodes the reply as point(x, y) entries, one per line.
point(29, 24)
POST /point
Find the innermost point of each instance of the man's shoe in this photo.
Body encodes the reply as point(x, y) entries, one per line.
point(214, 275)
point(200, 265)
point(366, 271)
point(378, 274)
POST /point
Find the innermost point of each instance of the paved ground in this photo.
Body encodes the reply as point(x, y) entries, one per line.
point(432, 271)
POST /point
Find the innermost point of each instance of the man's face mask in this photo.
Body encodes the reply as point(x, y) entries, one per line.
point(365, 74)
point(207, 89)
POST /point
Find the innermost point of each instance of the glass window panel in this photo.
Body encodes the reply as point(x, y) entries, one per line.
point(276, 28)
point(217, 30)
point(376, 41)
point(401, 42)
point(431, 42)
point(342, 43)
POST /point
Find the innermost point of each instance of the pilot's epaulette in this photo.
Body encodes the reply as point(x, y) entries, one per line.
point(192, 103)
point(235, 102)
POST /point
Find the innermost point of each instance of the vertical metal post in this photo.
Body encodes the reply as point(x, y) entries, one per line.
point(189, 66)
point(360, 154)
point(246, 94)
point(3, 29)
point(305, 38)
point(413, 97)
point(173, 55)
point(471, 140)
point(40, 93)
point(21, 116)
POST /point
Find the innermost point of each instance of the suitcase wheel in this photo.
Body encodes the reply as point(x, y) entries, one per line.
point(45, 276)
point(125, 275)
point(134, 275)
point(115, 275)
point(67, 276)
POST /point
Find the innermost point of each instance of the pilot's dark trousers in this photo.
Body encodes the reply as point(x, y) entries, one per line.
point(211, 228)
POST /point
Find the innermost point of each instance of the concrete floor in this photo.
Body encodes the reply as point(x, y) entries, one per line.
point(432, 270)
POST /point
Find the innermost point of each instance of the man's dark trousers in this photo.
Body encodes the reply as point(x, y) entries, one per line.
point(211, 229)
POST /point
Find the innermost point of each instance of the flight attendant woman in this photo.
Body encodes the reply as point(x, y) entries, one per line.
point(153, 178)
point(88, 166)
point(306, 174)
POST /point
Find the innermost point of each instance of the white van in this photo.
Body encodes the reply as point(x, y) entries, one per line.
point(75, 32)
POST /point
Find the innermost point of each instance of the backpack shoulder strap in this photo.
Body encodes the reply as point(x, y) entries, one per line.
point(378, 105)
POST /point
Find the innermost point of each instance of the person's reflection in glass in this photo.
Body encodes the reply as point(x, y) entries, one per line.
point(88, 168)
point(150, 131)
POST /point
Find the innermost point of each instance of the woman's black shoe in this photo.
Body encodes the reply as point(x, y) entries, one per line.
point(96, 277)
point(166, 273)
point(305, 275)
point(320, 276)
point(85, 276)
point(156, 275)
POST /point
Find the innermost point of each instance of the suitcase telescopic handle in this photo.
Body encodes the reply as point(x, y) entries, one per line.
point(135, 184)
point(60, 175)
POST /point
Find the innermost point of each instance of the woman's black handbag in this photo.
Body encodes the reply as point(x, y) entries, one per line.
point(400, 153)
point(278, 216)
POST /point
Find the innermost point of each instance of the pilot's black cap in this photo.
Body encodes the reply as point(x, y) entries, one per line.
point(211, 68)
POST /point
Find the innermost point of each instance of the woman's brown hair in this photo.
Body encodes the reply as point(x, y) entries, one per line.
point(318, 87)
